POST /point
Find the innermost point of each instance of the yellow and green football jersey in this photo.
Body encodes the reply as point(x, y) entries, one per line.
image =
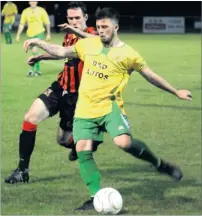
point(9, 11)
point(105, 75)
point(35, 20)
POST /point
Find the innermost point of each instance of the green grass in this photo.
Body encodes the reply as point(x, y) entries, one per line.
point(171, 127)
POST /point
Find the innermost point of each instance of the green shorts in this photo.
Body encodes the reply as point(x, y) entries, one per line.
point(7, 27)
point(114, 123)
point(40, 36)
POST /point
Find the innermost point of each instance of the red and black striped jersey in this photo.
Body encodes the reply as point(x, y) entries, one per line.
point(69, 78)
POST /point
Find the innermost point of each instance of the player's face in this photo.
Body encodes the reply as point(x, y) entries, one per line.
point(76, 18)
point(106, 29)
point(33, 4)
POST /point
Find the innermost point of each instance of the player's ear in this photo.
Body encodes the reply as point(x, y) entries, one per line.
point(86, 17)
point(116, 27)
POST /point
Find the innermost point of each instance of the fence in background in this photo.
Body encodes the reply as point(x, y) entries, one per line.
point(175, 24)
point(141, 24)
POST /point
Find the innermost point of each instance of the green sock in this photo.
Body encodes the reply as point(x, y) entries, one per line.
point(89, 171)
point(6, 37)
point(37, 66)
point(9, 37)
point(33, 67)
point(140, 150)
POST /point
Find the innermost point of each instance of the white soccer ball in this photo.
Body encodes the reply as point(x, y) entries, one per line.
point(108, 201)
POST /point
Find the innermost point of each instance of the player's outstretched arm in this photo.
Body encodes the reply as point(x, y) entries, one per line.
point(47, 56)
point(52, 49)
point(34, 59)
point(48, 32)
point(76, 31)
point(161, 83)
point(20, 29)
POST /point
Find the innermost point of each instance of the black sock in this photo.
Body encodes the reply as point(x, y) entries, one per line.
point(69, 145)
point(140, 150)
point(26, 146)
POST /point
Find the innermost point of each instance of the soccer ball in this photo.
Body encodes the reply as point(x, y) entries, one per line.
point(108, 201)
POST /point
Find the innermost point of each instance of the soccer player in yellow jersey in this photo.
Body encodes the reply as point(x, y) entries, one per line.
point(108, 63)
point(9, 11)
point(35, 17)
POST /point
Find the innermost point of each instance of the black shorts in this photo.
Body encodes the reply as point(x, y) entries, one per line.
point(58, 100)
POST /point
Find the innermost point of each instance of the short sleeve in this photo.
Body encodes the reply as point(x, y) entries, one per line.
point(136, 62)
point(45, 17)
point(80, 48)
point(23, 18)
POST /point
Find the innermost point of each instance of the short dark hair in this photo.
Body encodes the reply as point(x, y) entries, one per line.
point(77, 4)
point(107, 12)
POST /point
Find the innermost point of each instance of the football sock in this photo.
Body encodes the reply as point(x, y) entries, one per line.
point(69, 146)
point(26, 144)
point(9, 37)
point(37, 67)
point(6, 37)
point(33, 67)
point(89, 171)
point(140, 150)
point(70, 143)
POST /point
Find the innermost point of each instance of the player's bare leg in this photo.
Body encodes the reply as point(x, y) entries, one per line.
point(37, 113)
point(140, 150)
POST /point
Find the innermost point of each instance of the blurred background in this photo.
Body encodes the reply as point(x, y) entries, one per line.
point(184, 16)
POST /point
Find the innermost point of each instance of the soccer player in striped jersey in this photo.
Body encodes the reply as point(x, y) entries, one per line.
point(9, 11)
point(60, 97)
point(35, 17)
point(108, 64)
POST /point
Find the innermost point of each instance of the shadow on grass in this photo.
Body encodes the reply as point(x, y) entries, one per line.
point(48, 179)
point(146, 183)
point(154, 189)
point(149, 187)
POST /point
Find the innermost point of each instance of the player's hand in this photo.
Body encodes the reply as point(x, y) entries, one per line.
point(17, 38)
point(184, 94)
point(64, 26)
point(32, 60)
point(29, 43)
point(48, 37)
